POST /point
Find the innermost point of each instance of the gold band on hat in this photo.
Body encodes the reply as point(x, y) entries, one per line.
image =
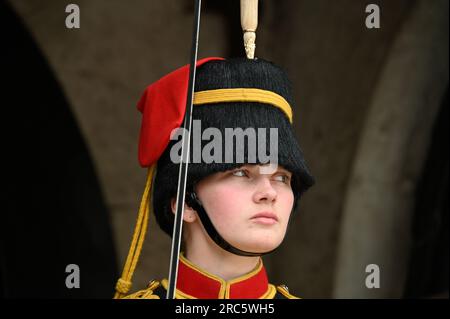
point(243, 95)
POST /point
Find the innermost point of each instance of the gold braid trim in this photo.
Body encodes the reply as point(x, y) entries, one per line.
point(146, 293)
point(243, 95)
point(124, 283)
point(282, 289)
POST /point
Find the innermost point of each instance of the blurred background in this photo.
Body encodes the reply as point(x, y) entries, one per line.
point(371, 115)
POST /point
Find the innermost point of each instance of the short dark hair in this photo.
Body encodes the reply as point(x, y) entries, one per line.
point(234, 73)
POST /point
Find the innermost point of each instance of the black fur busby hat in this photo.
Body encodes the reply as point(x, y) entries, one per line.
point(239, 73)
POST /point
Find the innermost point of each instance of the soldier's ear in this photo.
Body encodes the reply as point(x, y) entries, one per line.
point(190, 215)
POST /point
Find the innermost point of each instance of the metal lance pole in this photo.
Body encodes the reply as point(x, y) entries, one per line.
point(182, 177)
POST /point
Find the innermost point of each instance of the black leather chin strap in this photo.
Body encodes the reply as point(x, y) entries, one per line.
point(193, 201)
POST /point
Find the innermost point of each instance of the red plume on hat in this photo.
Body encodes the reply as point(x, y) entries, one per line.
point(163, 106)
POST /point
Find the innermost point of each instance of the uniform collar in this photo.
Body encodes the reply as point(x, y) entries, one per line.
point(194, 282)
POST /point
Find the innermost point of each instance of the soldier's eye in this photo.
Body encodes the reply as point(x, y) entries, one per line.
point(240, 173)
point(283, 178)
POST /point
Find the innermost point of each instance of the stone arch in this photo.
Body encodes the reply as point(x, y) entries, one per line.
point(377, 213)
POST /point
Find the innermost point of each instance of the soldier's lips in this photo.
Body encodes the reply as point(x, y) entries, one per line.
point(265, 218)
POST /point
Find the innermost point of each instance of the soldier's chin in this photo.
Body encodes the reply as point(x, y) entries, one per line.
point(259, 247)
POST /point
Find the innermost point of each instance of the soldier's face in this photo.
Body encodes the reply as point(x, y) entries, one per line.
point(250, 210)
